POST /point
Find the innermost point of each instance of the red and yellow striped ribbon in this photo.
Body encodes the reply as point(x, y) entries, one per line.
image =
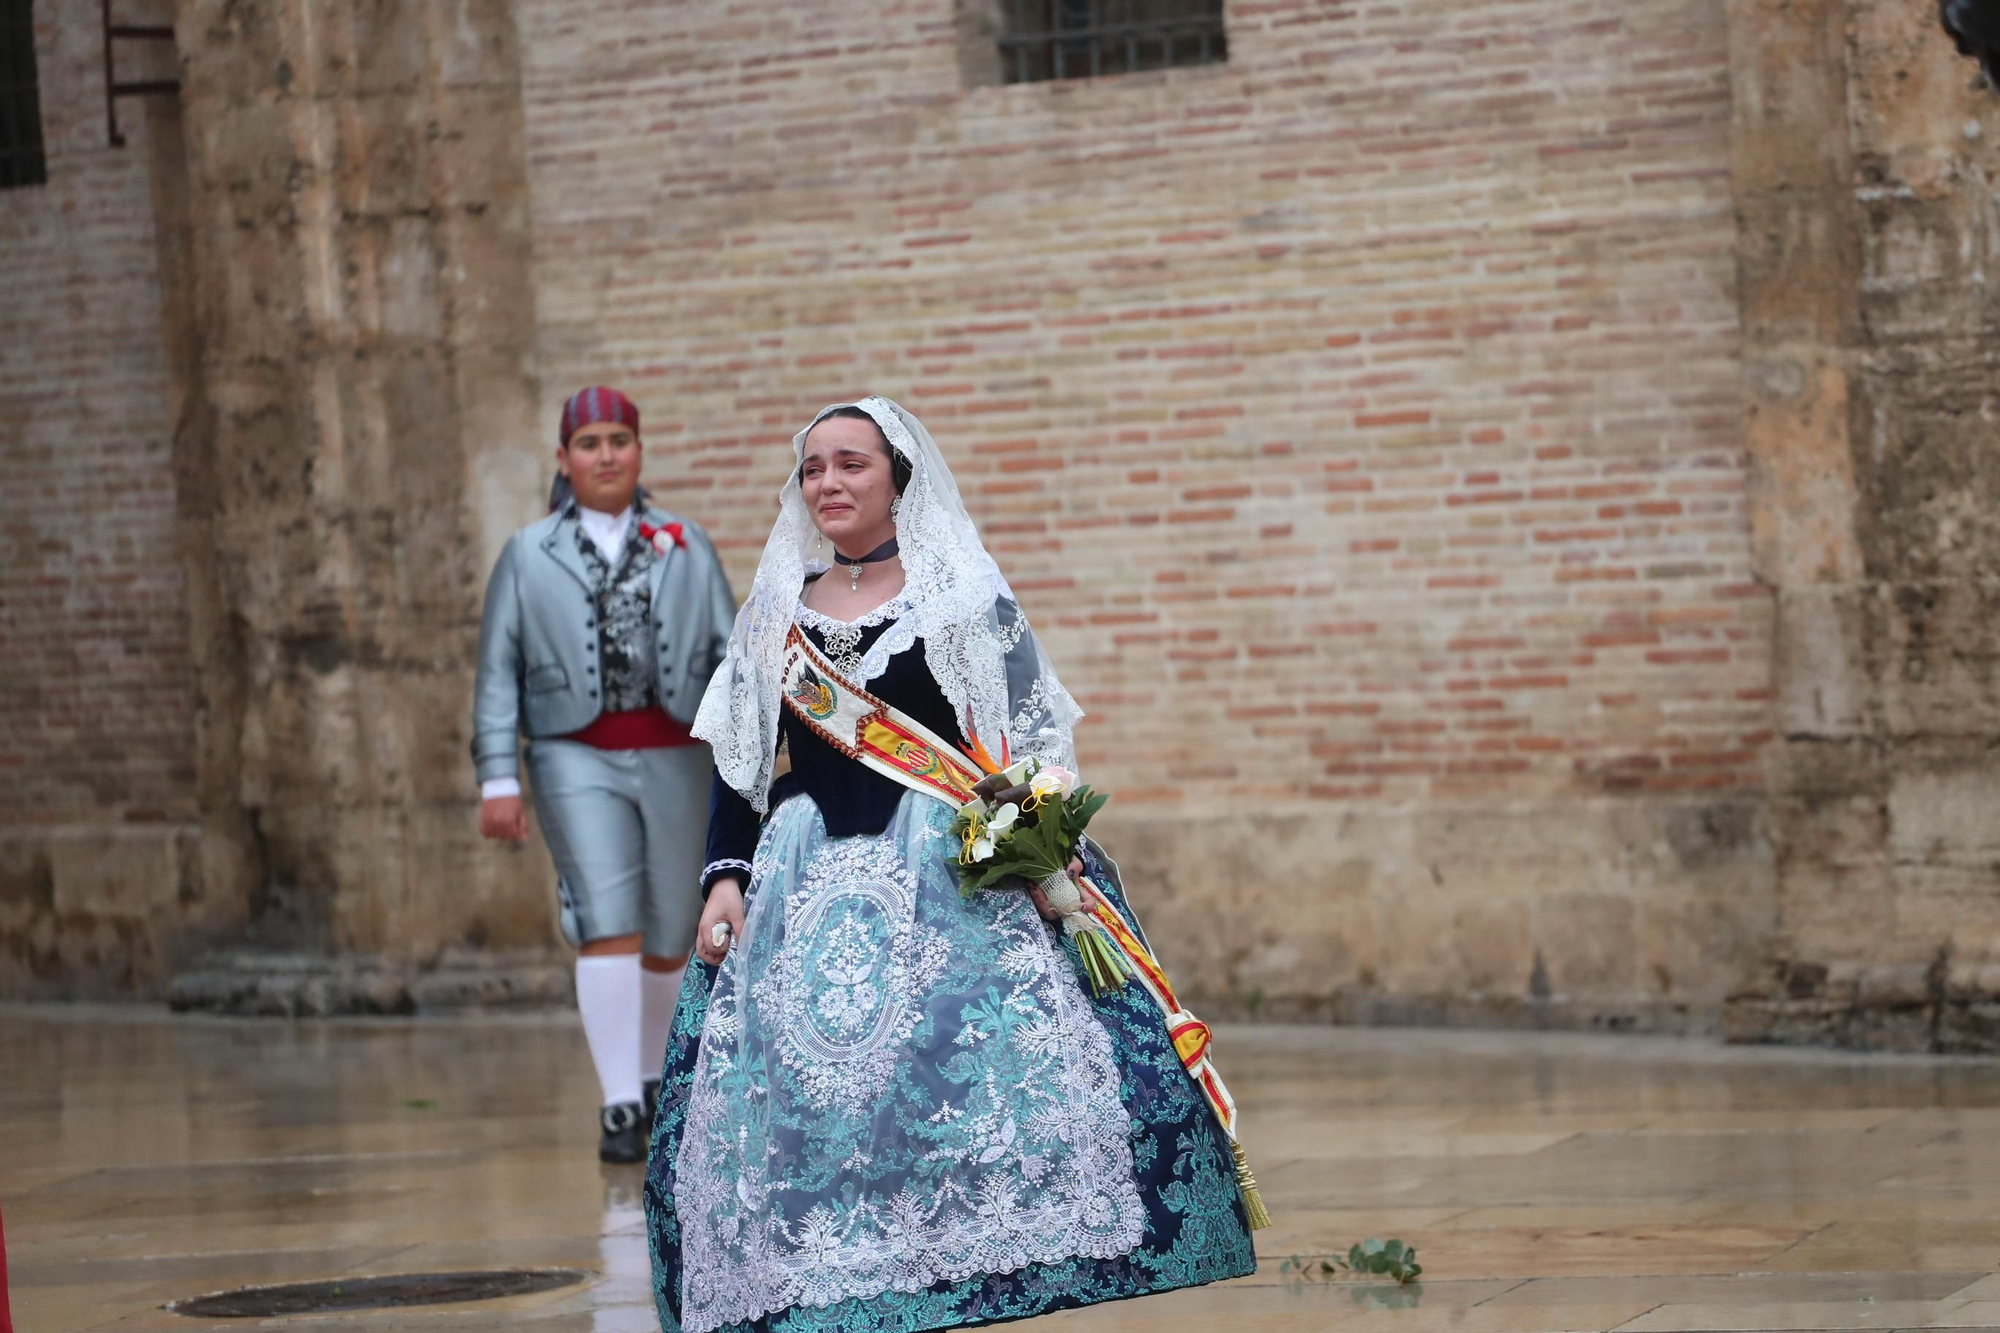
point(1191, 1038)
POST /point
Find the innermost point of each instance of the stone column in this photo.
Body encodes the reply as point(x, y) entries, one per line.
point(1869, 232)
point(359, 255)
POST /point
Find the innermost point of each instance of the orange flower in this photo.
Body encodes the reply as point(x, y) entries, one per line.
point(979, 754)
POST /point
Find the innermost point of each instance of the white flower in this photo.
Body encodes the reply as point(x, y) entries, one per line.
point(1053, 784)
point(1065, 781)
point(996, 828)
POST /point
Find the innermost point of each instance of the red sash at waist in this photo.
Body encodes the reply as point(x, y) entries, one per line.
point(640, 729)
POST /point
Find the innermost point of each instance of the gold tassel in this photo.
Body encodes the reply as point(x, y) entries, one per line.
point(1253, 1202)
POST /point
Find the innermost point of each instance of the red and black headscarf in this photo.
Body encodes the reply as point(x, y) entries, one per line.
point(588, 407)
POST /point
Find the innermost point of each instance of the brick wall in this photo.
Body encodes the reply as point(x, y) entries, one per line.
point(1360, 422)
point(96, 695)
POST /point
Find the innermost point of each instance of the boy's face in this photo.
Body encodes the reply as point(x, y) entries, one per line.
point(601, 461)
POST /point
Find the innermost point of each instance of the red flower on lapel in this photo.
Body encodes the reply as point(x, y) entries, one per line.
point(663, 537)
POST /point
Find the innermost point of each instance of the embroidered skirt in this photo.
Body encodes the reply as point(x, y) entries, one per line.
point(894, 1108)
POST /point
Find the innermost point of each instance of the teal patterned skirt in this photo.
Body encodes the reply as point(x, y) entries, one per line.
point(894, 1108)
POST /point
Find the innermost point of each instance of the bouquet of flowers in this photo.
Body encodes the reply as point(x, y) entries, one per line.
point(1025, 822)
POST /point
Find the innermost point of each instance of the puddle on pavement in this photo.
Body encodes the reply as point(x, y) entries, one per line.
point(376, 1293)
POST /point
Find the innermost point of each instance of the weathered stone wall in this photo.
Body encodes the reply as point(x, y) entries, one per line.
point(359, 244)
point(1360, 421)
point(101, 887)
point(1865, 170)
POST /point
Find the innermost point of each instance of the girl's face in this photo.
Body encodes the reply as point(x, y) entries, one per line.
point(848, 485)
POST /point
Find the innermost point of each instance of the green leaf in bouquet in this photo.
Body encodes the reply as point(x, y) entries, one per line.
point(1084, 807)
point(1026, 849)
point(1054, 844)
point(998, 866)
point(985, 874)
point(1018, 854)
point(1021, 868)
point(981, 876)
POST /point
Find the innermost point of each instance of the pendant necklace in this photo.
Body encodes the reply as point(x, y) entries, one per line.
point(882, 552)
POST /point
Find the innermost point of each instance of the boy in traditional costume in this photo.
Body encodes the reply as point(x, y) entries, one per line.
point(603, 624)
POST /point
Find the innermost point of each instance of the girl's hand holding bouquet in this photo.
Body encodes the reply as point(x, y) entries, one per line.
point(1026, 822)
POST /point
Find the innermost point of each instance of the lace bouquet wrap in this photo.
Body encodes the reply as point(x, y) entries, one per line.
point(1025, 822)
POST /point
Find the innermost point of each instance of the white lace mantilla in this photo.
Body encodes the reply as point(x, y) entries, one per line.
point(976, 640)
point(895, 1087)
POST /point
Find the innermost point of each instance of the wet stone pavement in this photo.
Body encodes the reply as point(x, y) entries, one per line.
point(1550, 1182)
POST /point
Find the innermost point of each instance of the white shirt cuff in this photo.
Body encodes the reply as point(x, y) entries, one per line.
point(494, 788)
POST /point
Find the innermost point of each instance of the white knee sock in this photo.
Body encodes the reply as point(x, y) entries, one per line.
point(662, 990)
point(608, 998)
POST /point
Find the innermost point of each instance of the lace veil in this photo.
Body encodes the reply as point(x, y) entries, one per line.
point(976, 639)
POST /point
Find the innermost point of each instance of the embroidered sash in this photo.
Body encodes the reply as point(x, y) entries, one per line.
point(1190, 1036)
point(869, 731)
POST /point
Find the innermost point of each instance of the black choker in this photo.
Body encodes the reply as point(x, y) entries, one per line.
point(883, 552)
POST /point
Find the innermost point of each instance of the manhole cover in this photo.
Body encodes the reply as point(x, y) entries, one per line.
point(375, 1293)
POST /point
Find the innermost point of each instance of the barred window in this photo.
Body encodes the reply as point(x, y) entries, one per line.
point(1081, 39)
point(21, 161)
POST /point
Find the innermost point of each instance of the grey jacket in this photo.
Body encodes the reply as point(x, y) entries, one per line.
point(538, 644)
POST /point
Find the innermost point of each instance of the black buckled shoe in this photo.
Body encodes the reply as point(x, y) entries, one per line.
point(624, 1138)
point(650, 1095)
